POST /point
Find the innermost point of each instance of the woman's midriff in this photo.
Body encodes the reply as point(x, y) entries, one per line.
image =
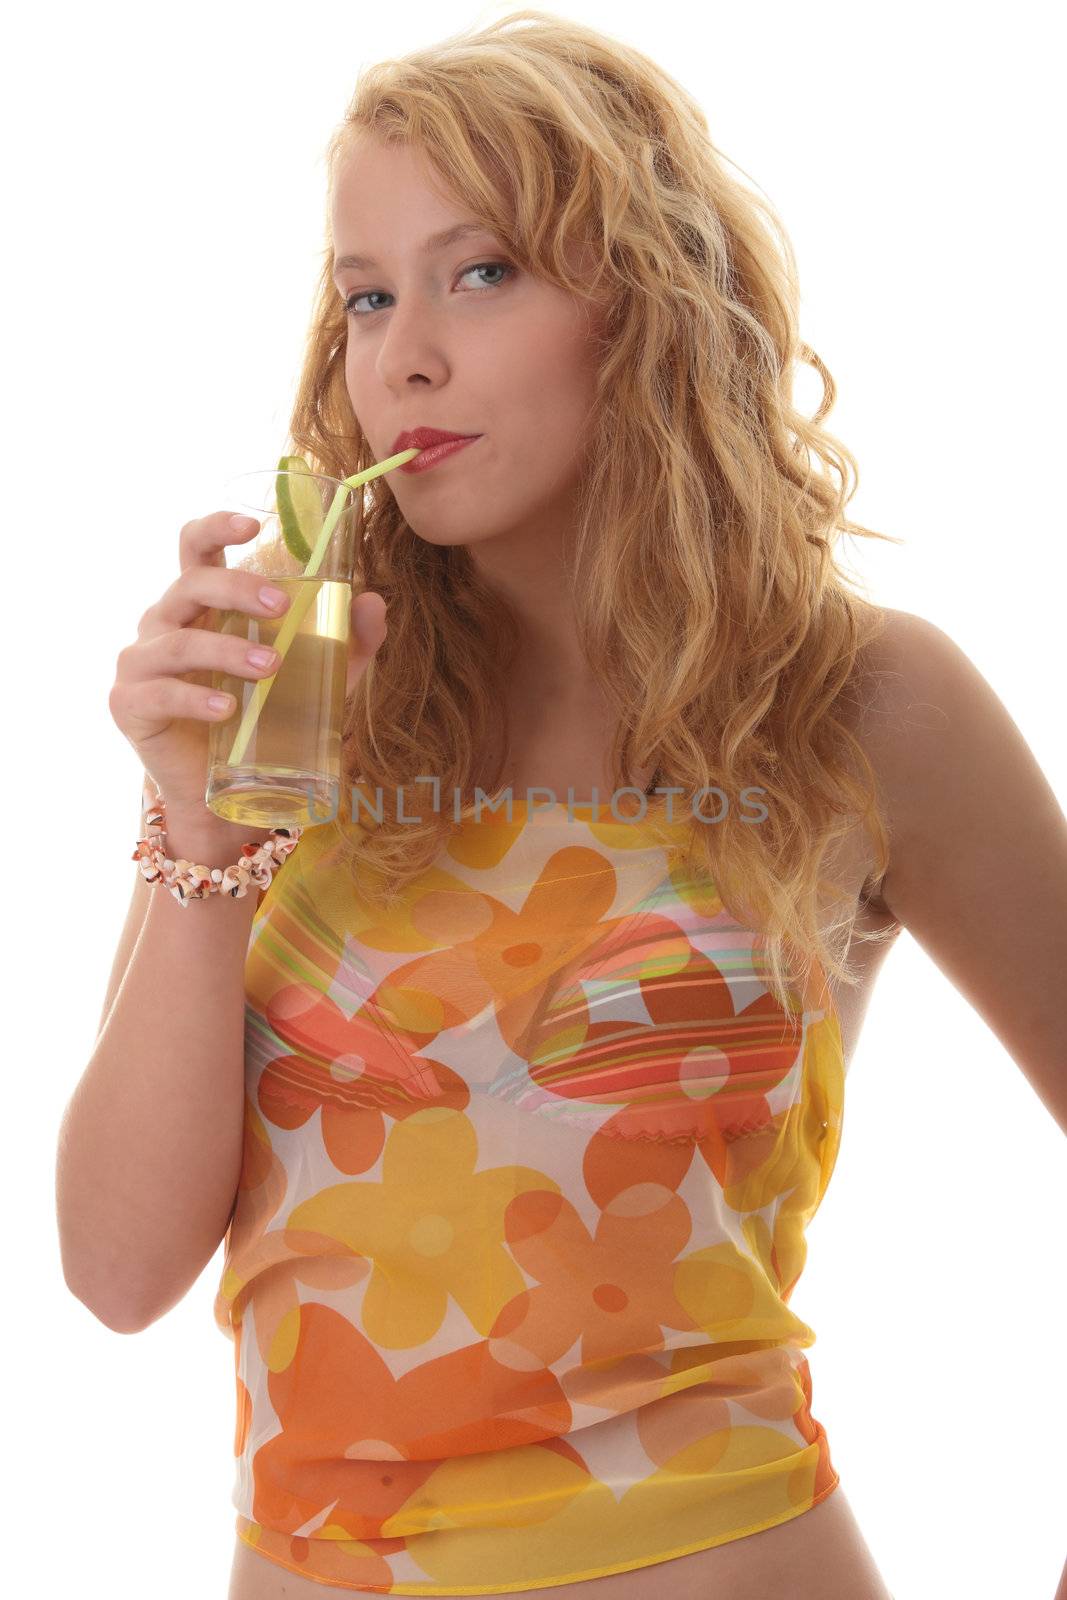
point(819, 1555)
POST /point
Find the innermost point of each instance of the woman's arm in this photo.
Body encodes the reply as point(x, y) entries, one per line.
point(148, 1156)
point(135, 918)
point(978, 849)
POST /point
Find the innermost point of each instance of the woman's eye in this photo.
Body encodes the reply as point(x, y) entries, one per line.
point(479, 266)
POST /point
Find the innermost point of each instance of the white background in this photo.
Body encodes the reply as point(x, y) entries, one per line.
point(165, 193)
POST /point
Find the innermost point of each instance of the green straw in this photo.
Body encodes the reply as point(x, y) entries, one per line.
point(300, 606)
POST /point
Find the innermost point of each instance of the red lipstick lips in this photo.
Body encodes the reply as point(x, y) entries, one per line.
point(433, 445)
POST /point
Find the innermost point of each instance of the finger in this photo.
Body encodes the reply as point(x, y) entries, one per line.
point(144, 708)
point(368, 629)
point(203, 540)
point(194, 599)
point(190, 650)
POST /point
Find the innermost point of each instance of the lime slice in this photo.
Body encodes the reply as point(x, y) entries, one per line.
point(299, 507)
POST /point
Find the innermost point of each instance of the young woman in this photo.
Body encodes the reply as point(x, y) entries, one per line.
point(515, 1119)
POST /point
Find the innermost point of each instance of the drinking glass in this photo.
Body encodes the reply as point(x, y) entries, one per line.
point(276, 761)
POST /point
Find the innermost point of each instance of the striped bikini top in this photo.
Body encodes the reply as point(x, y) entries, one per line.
point(528, 1162)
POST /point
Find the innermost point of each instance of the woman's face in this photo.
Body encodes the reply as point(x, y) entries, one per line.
point(442, 339)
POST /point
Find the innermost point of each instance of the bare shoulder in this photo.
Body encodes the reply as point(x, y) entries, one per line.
point(911, 683)
point(876, 705)
point(891, 669)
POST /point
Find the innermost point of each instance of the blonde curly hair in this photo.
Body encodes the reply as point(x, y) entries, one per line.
point(708, 598)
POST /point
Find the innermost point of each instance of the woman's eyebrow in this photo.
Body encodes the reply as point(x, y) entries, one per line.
point(436, 241)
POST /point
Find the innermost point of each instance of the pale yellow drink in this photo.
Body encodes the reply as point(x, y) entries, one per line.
point(276, 761)
point(290, 772)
